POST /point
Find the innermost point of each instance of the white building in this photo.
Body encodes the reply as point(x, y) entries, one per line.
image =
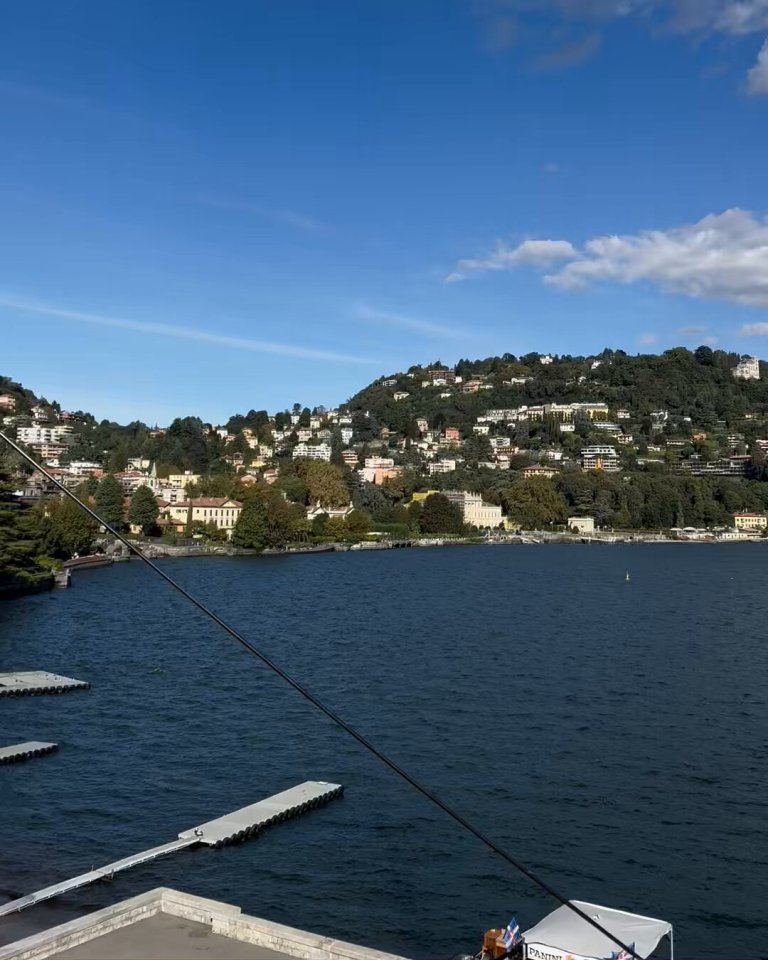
point(476, 513)
point(322, 451)
point(748, 368)
point(441, 466)
point(84, 468)
point(581, 524)
point(60, 433)
point(401, 395)
point(600, 457)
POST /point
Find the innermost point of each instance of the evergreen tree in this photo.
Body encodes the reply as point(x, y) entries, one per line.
point(252, 527)
point(143, 510)
point(109, 501)
point(19, 539)
point(439, 515)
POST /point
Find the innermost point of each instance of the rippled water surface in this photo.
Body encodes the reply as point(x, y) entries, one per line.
point(613, 735)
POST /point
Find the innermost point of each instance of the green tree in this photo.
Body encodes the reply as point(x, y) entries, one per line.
point(66, 529)
point(143, 510)
point(439, 515)
point(324, 482)
point(19, 537)
point(252, 527)
point(336, 529)
point(109, 501)
point(359, 524)
point(534, 503)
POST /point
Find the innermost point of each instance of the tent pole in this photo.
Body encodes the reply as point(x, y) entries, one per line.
point(671, 944)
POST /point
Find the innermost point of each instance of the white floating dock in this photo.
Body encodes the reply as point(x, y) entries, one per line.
point(238, 825)
point(247, 821)
point(24, 751)
point(28, 682)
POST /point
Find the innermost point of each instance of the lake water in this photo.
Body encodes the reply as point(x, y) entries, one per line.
point(613, 735)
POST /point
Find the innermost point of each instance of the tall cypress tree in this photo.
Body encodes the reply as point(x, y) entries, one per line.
point(143, 510)
point(109, 501)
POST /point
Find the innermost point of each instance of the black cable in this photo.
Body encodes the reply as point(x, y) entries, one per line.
point(331, 714)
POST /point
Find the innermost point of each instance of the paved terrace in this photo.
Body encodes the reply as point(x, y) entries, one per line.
point(166, 924)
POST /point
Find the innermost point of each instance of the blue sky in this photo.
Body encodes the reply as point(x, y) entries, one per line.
point(210, 207)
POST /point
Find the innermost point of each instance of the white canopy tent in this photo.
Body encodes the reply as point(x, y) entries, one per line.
point(564, 934)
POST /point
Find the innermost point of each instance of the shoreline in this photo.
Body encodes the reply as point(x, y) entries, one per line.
point(156, 551)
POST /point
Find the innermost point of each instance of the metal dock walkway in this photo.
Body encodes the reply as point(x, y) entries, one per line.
point(24, 751)
point(27, 682)
point(237, 825)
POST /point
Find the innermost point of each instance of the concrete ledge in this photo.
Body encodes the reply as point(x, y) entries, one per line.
point(66, 935)
point(223, 919)
point(229, 921)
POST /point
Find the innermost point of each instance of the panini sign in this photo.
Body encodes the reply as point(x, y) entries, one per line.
point(540, 951)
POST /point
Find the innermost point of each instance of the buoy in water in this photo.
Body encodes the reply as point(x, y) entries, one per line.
point(626, 576)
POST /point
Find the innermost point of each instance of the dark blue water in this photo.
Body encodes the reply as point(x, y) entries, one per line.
point(614, 735)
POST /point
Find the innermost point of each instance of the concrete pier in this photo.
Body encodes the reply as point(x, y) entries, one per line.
point(28, 682)
point(238, 825)
point(25, 751)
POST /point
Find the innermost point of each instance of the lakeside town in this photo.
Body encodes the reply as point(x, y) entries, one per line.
point(427, 455)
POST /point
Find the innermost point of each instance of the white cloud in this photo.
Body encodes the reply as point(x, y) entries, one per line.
point(710, 341)
point(551, 168)
point(181, 333)
point(757, 78)
point(721, 257)
point(372, 315)
point(533, 252)
point(647, 339)
point(754, 330)
point(691, 331)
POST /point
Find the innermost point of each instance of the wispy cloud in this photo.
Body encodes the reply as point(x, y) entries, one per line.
point(696, 19)
point(647, 339)
point(571, 53)
point(542, 253)
point(724, 256)
point(754, 330)
point(757, 78)
point(288, 218)
point(691, 331)
point(180, 333)
point(362, 311)
point(31, 96)
point(551, 168)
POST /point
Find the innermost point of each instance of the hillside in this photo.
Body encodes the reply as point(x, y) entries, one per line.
point(697, 384)
point(637, 442)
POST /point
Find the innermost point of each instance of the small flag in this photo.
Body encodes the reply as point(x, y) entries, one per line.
point(512, 936)
point(623, 954)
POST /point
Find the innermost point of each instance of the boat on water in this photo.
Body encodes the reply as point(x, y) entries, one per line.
point(91, 560)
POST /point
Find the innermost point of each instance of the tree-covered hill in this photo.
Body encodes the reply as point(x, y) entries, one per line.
point(696, 384)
